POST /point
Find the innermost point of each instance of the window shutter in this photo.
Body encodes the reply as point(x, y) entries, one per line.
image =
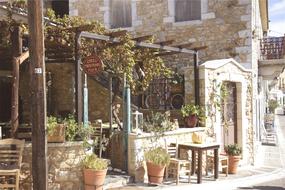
point(186, 10)
point(121, 13)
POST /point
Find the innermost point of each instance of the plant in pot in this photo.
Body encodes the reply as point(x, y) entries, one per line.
point(156, 161)
point(234, 153)
point(192, 114)
point(94, 172)
point(55, 130)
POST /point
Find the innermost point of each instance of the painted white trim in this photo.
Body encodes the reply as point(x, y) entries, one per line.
point(215, 64)
point(170, 18)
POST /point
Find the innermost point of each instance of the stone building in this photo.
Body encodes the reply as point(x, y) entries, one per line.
point(229, 29)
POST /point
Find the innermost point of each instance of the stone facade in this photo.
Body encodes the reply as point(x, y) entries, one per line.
point(212, 75)
point(139, 143)
point(64, 168)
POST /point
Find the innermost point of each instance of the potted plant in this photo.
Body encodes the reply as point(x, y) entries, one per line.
point(234, 153)
point(192, 114)
point(156, 161)
point(55, 130)
point(94, 172)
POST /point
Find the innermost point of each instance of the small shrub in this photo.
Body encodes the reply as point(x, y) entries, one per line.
point(93, 162)
point(158, 156)
point(233, 150)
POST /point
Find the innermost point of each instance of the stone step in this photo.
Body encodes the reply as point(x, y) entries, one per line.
point(116, 178)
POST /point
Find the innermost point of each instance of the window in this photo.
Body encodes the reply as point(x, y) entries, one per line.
point(60, 7)
point(121, 13)
point(187, 10)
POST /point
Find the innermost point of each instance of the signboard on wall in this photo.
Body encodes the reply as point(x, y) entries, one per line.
point(92, 65)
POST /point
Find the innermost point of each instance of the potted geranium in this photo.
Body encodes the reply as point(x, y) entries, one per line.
point(156, 161)
point(94, 172)
point(192, 114)
point(234, 153)
point(55, 130)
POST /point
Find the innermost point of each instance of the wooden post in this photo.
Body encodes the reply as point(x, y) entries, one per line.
point(16, 39)
point(196, 79)
point(38, 94)
point(78, 80)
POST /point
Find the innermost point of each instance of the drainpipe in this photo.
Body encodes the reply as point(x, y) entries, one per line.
point(127, 118)
point(85, 102)
point(196, 78)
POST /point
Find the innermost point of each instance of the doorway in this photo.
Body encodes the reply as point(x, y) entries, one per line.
point(5, 100)
point(229, 114)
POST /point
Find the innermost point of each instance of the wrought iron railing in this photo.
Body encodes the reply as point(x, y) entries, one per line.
point(272, 48)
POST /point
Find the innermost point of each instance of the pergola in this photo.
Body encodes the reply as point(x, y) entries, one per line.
point(36, 50)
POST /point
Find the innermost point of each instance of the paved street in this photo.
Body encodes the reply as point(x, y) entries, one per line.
point(274, 157)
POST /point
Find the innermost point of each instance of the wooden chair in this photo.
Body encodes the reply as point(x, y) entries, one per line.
point(177, 166)
point(11, 151)
point(223, 163)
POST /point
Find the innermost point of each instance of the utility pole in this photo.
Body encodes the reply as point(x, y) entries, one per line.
point(38, 94)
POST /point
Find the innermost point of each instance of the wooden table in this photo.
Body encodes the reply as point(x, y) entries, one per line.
point(200, 148)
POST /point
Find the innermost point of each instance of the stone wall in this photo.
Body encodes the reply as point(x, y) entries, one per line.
point(63, 95)
point(225, 26)
point(64, 168)
point(138, 144)
point(212, 75)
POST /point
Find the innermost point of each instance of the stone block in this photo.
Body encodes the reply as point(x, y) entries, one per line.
point(245, 18)
point(208, 16)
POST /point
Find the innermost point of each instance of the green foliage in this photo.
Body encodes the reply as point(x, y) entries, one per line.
point(158, 156)
point(158, 123)
point(51, 125)
point(192, 109)
point(119, 59)
point(272, 105)
point(93, 162)
point(233, 150)
point(71, 128)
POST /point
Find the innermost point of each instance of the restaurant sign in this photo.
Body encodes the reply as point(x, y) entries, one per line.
point(92, 65)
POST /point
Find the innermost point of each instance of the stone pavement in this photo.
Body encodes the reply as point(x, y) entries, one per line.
point(270, 167)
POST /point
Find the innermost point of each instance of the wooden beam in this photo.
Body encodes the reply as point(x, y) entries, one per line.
point(23, 57)
point(16, 39)
point(199, 48)
point(183, 45)
point(139, 44)
point(142, 38)
point(38, 95)
point(164, 43)
point(166, 53)
point(116, 34)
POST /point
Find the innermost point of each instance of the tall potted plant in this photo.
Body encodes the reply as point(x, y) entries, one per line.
point(94, 172)
point(234, 153)
point(55, 130)
point(192, 114)
point(156, 161)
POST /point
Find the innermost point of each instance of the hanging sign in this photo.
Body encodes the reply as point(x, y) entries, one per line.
point(92, 65)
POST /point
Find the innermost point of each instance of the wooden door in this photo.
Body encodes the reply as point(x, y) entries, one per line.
point(229, 114)
point(5, 101)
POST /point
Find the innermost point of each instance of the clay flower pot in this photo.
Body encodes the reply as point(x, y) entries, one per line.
point(191, 121)
point(94, 179)
point(58, 136)
point(155, 173)
point(233, 164)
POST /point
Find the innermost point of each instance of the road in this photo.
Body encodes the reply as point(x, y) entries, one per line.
point(274, 157)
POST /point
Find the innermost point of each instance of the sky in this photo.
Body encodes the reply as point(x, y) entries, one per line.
point(276, 17)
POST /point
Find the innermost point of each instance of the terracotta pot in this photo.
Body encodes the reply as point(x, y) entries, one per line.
point(155, 173)
point(59, 134)
point(94, 179)
point(233, 164)
point(191, 121)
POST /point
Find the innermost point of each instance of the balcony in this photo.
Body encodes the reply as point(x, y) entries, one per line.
point(272, 48)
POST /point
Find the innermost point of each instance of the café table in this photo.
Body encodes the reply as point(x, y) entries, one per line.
point(200, 148)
